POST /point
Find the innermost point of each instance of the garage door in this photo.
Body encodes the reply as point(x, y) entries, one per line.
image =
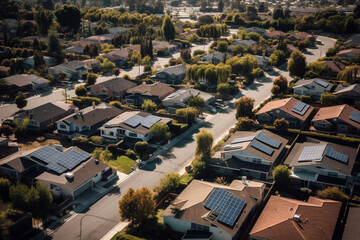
point(82, 188)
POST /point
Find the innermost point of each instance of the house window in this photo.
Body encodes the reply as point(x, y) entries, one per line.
point(199, 227)
point(121, 131)
point(343, 127)
point(108, 133)
point(129, 101)
point(52, 186)
point(332, 174)
point(62, 126)
point(256, 160)
point(132, 134)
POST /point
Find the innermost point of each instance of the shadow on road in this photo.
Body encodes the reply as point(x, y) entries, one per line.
point(264, 80)
point(151, 166)
point(308, 53)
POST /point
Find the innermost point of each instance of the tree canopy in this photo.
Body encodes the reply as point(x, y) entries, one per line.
point(168, 28)
point(297, 64)
point(69, 18)
point(204, 141)
point(148, 106)
point(160, 132)
point(20, 100)
point(281, 175)
point(170, 183)
point(244, 107)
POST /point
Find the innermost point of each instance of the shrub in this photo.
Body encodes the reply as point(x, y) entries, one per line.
point(163, 52)
point(127, 77)
point(80, 141)
point(131, 154)
point(281, 124)
point(97, 140)
point(258, 72)
point(244, 124)
point(333, 193)
point(305, 98)
point(116, 104)
point(113, 148)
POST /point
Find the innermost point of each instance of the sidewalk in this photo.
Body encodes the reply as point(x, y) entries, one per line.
point(120, 226)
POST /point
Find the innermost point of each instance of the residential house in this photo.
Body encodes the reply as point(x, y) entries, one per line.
point(251, 154)
point(7, 147)
point(263, 62)
point(205, 210)
point(286, 218)
point(23, 83)
point(105, 38)
point(29, 62)
point(352, 230)
point(184, 35)
point(132, 124)
point(335, 67)
point(155, 92)
point(73, 69)
point(244, 43)
point(179, 99)
point(121, 56)
point(297, 113)
point(347, 92)
point(157, 45)
point(114, 89)
point(342, 119)
point(354, 40)
point(256, 30)
point(44, 116)
point(92, 64)
point(312, 87)
point(216, 57)
point(301, 36)
point(82, 44)
point(87, 121)
point(275, 35)
point(316, 164)
point(171, 75)
point(74, 50)
point(348, 54)
point(117, 30)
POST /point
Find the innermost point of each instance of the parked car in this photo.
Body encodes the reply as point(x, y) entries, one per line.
point(211, 109)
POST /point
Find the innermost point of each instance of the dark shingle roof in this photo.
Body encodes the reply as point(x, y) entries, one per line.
point(117, 84)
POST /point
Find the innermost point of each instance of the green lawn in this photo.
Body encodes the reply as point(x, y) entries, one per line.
point(122, 164)
point(186, 178)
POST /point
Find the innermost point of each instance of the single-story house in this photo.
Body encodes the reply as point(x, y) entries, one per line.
point(117, 30)
point(73, 69)
point(112, 89)
point(44, 116)
point(342, 119)
point(29, 62)
point(352, 230)
point(205, 210)
point(301, 36)
point(348, 53)
point(24, 83)
point(87, 121)
point(335, 67)
point(92, 64)
point(275, 35)
point(7, 147)
point(317, 164)
point(354, 40)
point(216, 57)
point(171, 75)
point(157, 45)
point(297, 113)
point(251, 154)
point(132, 124)
point(155, 92)
point(348, 91)
point(244, 43)
point(118, 56)
point(312, 87)
point(263, 62)
point(179, 98)
point(285, 218)
point(256, 30)
point(105, 38)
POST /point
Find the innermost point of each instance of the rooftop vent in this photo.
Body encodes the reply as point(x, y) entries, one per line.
point(58, 147)
point(96, 162)
point(69, 176)
point(297, 217)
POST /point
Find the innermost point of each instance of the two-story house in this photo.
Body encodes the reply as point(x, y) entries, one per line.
point(132, 124)
point(315, 164)
point(87, 121)
point(297, 113)
point(171, 75)
point(342, 119)
point(312, 87)
point(205, 210)
point(111, 89)
point(251, 154)
point(155, 92)
point(73, 69)
point(44, 117)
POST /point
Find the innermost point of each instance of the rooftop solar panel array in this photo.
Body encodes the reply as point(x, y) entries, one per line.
point(322, 83)
point(146, 122)
point(262, 137)
point(225, 206)
point(243, 139)
point(261, 147)
point(58, 161)
point(300, 108)
point(311, 153)
point(332, 153)
point(355, 116)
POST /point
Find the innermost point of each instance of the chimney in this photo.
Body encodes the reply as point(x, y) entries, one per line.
point(243, 179)
point(297, 217)
point(93, 105)
point(77, 111)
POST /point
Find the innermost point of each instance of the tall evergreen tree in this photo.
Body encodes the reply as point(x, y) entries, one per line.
point(168, 28)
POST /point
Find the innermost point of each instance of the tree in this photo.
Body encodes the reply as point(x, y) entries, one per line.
point(251, 11)
point(224, 90)
point(148, 106)
point(277, 58)
point(6, 130)
point(16, 66)
point(170, 183)
point(349, 74)
point(333, 193)
point(21, 127)
point(281, 124)
point(5, 225)
point(55, 48)
point(141, 148)
point(244, 107)
point(105, 156)
point(44, 201)
point(221, 6)
point(280, 85)
point(297, 64)
point(69, 18)
point(328, 99)
point(91, 79)
point(204, 142)
point(4, 189)
point(80, 91)
point(137, 206)
point(116, 104)
point(189, 114)
point(107, 65)
point(196, 102)
point(160, 132)
point(116, 72)
point(281, 175)
point(20, 100)
point(222, 46)
point(263, 7)
point(244, 124)
point(168, 28)
point(199, 167)
point(278, 12)
point(185, 54)
point(44, 19)
point(38, 59)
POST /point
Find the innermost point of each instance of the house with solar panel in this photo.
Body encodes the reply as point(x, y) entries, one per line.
point(250, 154)
point(86, 122)
point(205, 210)
point(312, 87)
point(297, 113)
point(67, 172)
point(316, 164)
point(131, 124)
point(342, 119)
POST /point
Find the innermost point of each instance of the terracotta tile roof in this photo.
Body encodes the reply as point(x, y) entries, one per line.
point(334, 66)
point(352, 230)
point(301, 36)
point(318, 219)
point(158, 89)
point(342, 112)
point(285, 105)
point(275, 34)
